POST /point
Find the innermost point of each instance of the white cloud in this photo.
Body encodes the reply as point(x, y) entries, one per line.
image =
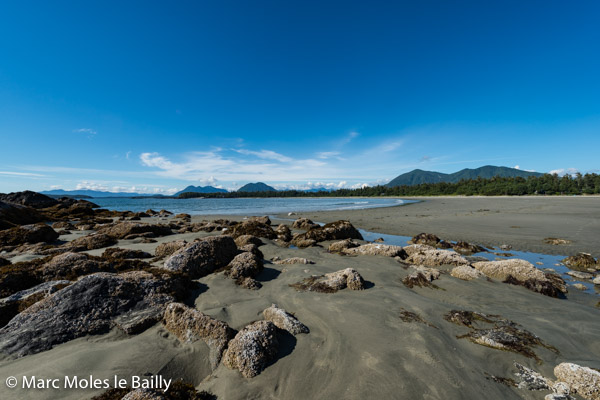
point(328, 154)
point(265, 154)
point(20, 174)
point(516, 167)
point(564, 171)
point(86, 185)
point(87, 131)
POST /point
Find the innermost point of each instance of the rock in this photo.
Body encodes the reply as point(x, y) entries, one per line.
point(519, 269)
point(84, 226)
point(189, 325)
point(596, 280)
point(252, 348)
point(430, 257)
point(466, 273)
point(332, 282)
point(339, 247)
point(117, 253)
point(11, 215)
point(252, 227)
point(91, 242)
point(581, 261)
point(29, 199)
point(164, 213)
point(244, 265)
point(291, 213)
point(422, 276)
point(374, 249)
point(303, 243)
point(4, 261)
point(505, 247)
point(583, 380)
point(284, 320)
point(166, 249)
point(293, 260)
point(130, 230)
point(27, 234)
point(249, 283)
point(556, 241)
point(70, 266)
point(283, 233)
point(332, 231)
point(304, 223)
point(580, 286)
point(183, 216)
point(467, 248)
point(531, 380)
point(252, 248)
point(203, 257)
point(379, 240)
point(427, 239)
point(243, 240)
point(88, 306)
point(580, 275)
point(63, 225)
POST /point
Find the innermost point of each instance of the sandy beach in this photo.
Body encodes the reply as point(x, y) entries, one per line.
point(361, 345)
point(522, 222)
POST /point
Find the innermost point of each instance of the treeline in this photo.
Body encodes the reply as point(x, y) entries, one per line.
point(542, 185)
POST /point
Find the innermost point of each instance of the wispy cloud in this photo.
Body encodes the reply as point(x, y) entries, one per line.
point(86, 131)
point(564, 171)
point(265, 154)
point(323, 155)
point(21, 174)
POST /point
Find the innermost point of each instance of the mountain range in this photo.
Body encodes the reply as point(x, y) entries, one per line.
point(200, 189)
point(418, 176)
point(256, 187)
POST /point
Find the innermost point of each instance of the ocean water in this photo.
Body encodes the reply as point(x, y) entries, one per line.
point(245, 206)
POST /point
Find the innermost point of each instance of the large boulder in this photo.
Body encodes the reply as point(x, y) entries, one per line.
point(304, 223)
point(244, 240)
point(11, 215)
point(502, 269)
point(333, 231)
point(130, 230)
point(89, 306)
point(203, 257)
point(29, 199)
point(284, 320)
point(118, 253)
point(252, 348)
point(70, 266)
point(27, 234)
point(583, 380)
point(466, 273)
point(168, 248)
point(189, 325)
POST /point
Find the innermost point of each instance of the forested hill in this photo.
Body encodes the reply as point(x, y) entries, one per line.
point(418, 176)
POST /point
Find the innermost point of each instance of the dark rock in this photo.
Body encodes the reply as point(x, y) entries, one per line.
point(581, 262)
point(91, 242)
point(123, 230)
point(333, 231)
point(27, 234)
point(166, 249)
point(4, 261)
point(70, 266)
point(243, 240)
point(89, 306)
point(29, 199)
point(430, 239)
point(252, 227)
point(63, 225)
point(203, 257)
point(467, 248)
point(304, 223)
point(244, 265)
point(118, 253)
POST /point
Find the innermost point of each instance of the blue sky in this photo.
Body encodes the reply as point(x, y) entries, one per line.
point(154, 96)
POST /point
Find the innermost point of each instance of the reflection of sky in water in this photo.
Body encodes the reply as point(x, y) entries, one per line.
point(548, 261)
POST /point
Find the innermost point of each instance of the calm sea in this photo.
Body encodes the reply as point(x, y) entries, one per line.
point(245, 206)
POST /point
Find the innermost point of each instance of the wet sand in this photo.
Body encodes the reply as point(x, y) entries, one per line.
point(522, 222)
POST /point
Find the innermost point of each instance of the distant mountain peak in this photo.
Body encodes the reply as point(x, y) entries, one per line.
point(419, 176)
point(200, 189)
point(257, 187)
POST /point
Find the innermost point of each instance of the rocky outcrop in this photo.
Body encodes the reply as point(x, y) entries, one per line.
point(131, 230)
point(88, 306)
point(91, 242)
point(374, 249)
point(293, 260)
point(29, 199)
point(166, 249)
point(254, 227)
point(70, 266)
point(244, 240)
point(27, 234)
point(11, 215)
point(430, 257)
point(284, 320)
point(421, 276)
point(252, 348)
point(466, 273)
point(581, 262)
point(203, 257)
point(189, 325)
point(304, 223)
point(332, 231)
point(429, 239)
point(244, 265)
point(284, 233)
point(519, 269)
point(582, 380)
